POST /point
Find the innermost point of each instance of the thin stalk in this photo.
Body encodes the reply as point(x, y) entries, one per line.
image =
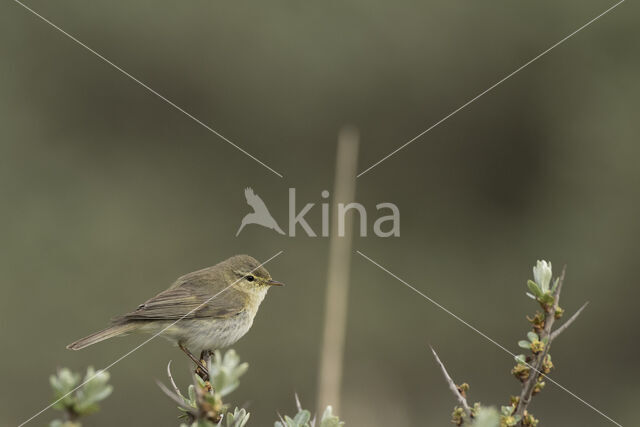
point(335, 317)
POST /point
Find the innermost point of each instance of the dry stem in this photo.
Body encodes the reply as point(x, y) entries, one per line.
point(452, 385)
point(335, 316)
point(568, 323)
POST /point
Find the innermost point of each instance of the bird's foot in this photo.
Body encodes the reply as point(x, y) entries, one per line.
point(205, 357)
point(200, 371)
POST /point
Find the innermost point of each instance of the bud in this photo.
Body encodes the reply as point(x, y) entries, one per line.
point(542, 275)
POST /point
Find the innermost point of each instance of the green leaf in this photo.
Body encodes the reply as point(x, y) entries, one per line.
point(330, 420)
point(521, 358)
point(534, 288)
point(302, 417)
point(524, 344)
point(200, 381)
point(238, 418)
point(62, 384)
point(226, 371)
point(547, 299)
point(487, 417)
point(192, 393)
point(82, 400)
point(532, 336)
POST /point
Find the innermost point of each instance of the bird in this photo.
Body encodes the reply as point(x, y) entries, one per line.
point(260, 214)
point(202, 311)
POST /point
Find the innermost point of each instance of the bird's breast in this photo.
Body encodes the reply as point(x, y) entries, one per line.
point(213, 334)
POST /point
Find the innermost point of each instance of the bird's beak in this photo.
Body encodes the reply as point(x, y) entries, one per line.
point(274, 283)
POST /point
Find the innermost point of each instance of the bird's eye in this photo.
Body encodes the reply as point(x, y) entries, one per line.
point(250, 278)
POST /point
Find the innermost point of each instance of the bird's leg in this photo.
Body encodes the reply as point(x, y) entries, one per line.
point(205, 357)
point(201, 371)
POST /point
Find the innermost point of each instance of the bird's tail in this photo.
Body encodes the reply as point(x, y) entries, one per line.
point(110, 332)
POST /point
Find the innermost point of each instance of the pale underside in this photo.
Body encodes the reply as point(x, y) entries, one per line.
point(202, 334)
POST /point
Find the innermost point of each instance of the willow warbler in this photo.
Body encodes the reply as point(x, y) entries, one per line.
point(201, 311)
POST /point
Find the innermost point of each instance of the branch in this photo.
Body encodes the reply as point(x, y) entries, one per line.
point(452, 385)
point(538, 360)
point(560, 282)
point(568, 323)
point(176, 398)
point(173, 383)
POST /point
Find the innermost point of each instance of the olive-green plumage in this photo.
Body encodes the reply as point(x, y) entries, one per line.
point(205, 310)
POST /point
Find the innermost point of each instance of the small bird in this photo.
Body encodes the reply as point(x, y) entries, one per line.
point(260, 214)
point(205, 310)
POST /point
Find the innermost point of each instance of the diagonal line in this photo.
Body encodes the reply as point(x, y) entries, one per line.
point(140, 345)
point(517, 70)
point(159, 95)
point(486, 337)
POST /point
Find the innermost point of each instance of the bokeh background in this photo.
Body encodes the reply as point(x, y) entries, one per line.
point(108, 194)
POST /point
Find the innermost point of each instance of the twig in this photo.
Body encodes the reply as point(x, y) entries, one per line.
point(175, 398)
point(298, 404)
point(452, 385)
point(173, 383)
point(568, 323)
point(560, 282)
point(536, 365)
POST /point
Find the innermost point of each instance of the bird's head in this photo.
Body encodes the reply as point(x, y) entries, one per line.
point(247, 274)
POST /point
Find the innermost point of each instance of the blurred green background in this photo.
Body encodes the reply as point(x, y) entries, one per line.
point(108, 194)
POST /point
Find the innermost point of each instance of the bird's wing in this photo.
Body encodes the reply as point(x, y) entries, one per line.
point(256, 202)
point(188, 301)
